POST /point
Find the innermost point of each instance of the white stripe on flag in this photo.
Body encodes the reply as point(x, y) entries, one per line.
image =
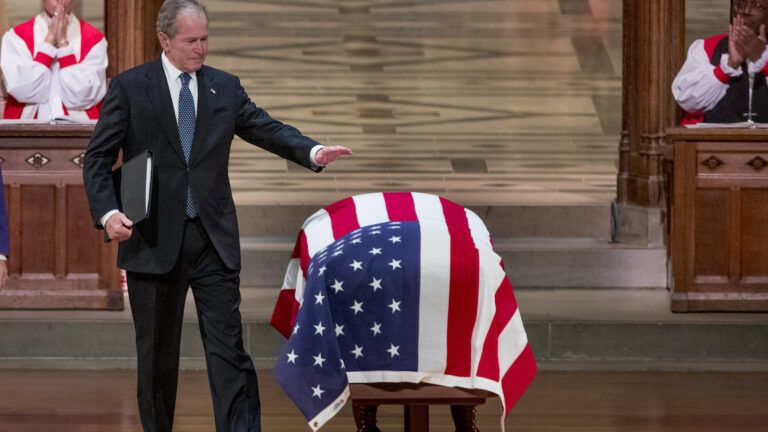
point(301, 282)
point(491, 275)
point(433, 309)
point(428, 207)
point(512, 341)
point(319, 232)
point(292, 274)
point(480, 233)
point(371, 209)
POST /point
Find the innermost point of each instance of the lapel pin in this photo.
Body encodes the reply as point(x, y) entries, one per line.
point(213, 91)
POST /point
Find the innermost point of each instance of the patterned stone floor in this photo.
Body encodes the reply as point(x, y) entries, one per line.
point(484, 102)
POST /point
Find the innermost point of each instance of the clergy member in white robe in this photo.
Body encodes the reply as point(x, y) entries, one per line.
point(54, 66)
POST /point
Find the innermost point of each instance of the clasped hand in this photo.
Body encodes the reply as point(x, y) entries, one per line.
point(57, 31)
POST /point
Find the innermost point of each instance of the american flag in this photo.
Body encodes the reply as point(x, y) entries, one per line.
point(397, 287)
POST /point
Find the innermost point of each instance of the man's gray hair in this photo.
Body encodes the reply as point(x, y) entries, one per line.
point(170, 11)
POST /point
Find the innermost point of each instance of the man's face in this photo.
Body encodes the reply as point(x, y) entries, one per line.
point(49, 6)
point(754, 12)
point(189, 46)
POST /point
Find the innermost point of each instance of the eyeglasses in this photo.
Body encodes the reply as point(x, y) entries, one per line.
point(742, 5)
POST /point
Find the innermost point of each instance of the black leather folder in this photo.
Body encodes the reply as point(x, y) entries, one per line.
point(134, 178)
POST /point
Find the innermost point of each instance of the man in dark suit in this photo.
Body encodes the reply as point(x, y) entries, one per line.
point(186, 115)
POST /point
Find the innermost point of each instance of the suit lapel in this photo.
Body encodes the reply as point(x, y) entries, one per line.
point(160, 97)
point(205, 94)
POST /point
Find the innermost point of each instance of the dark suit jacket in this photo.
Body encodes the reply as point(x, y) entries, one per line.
point(138, 115)
point(3, 220)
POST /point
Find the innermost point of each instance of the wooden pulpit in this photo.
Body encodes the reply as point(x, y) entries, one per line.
point(719, 215)
point(57, 259)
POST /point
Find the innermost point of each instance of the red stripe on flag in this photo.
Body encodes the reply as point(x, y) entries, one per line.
point(400, 206)
point(343, 217)
point(285, 312)
point(488, 367)
point(463, 296)
point(517, 378)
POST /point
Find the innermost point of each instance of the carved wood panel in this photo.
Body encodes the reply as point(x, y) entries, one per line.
point(57, 259)
point(719, 213)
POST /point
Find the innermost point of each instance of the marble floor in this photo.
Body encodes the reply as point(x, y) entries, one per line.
point(484, 102)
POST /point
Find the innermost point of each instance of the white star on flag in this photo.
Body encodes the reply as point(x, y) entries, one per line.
point(319, 298)
point(358, 351)
point(395, 264)
point(375, 251)
point(395, 239)
point(292, 356)
point(395, 306)
point(319, 328)
point(317, 391)
point(356, 241)
point(357, 265)
point(338, 252)
point(376, 329)
point(337, 286)
point(319, 360)
point(339, 330)
point(393, 350)
point(322, 270)
point(357, 307)
point(376, 284)
point(296, 328)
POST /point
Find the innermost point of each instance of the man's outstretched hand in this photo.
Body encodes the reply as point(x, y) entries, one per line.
point(329, 154)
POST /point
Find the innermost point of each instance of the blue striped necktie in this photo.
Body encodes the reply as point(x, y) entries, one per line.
point(187, 119)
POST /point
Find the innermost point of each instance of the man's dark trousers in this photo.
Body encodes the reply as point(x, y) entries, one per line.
point(157, 304)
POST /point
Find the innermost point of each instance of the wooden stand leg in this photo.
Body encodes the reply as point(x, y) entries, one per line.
point(416, 418)
point(365, 417)
point(464, 418)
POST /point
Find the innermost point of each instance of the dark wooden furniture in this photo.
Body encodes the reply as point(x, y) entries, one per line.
point(57, 259)
point(416, 399)
point(719, 213)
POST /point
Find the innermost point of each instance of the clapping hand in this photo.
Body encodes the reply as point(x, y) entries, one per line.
point(743, 43)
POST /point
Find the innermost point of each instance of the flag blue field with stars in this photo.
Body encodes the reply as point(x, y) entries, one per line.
point(360, 312)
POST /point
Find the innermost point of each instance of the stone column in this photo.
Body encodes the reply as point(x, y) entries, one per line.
point(654, 49)
point(130, 30)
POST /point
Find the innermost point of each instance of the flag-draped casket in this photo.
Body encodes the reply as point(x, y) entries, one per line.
point(397, 287)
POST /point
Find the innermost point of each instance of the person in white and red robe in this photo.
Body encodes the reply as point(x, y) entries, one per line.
point(54, 66)
point(723, 79)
